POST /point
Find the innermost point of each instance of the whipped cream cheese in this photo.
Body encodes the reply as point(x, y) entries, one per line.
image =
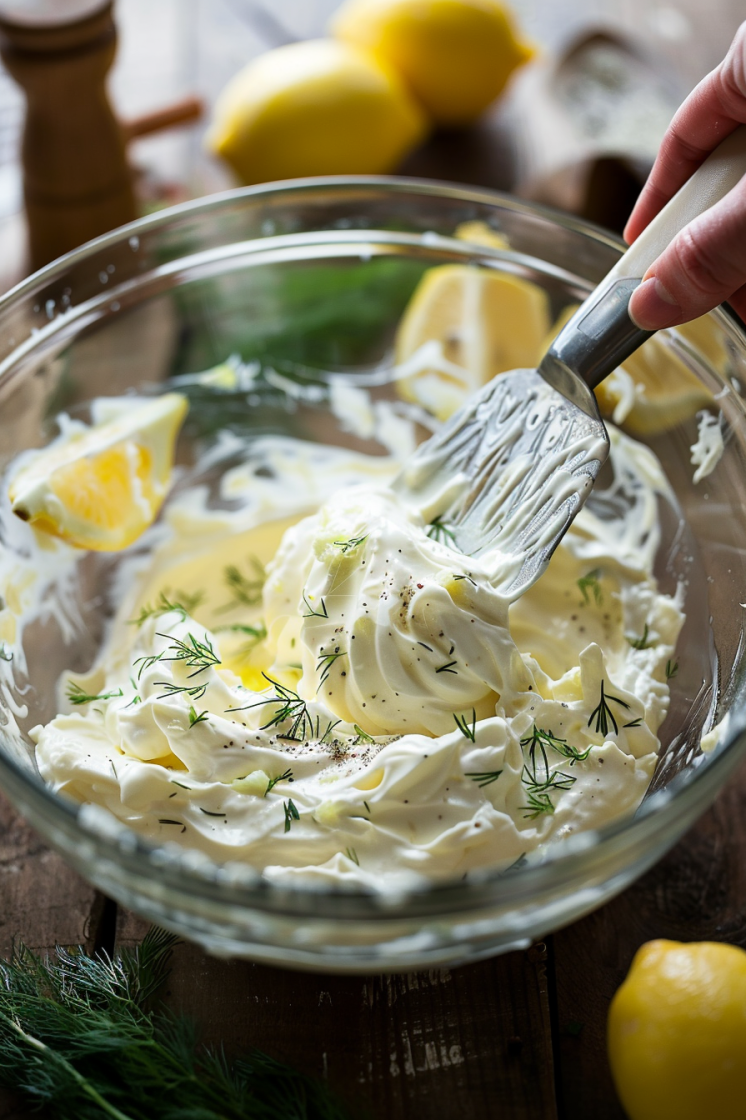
point(308, 676)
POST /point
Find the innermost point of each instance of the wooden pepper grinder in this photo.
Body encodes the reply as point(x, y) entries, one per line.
point(76, 180)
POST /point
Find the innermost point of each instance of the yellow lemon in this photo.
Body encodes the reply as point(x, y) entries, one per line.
point(677, 1033)
point(464, 325)
point(655, 390)
point(315, 108)
point(100, 488)
point(454, 55)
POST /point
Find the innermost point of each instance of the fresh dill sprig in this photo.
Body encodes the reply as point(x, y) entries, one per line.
point(78, 695)
point(541, 739)
point(310, 612)
point(291, 813)
point(195, 654)
point(329, 728)
point(483, 778)
point(352, 855)
point(194, 692)
point(350, 545)
point(603, 714)
point(591, 581)
point(466, 729)
point(78, 1037)
point(246, 591)
point(641, 642)
point(459, 577)
point(286, 777)
point(289, 707)
point(185, 603)
point(634, 722)
point(438, 530)
point(194, 719)
point(325, 663)
point(145, 663)
point(672, 668)
point(448, 668)
point(362, 736)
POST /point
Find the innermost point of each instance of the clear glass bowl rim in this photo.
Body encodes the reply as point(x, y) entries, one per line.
point(686, 796)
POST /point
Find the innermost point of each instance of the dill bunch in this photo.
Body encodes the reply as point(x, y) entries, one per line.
point(77, 1035)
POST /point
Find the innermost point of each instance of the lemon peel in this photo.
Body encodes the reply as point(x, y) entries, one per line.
point(319, 107)
point(677, 1032)
point(101, 487)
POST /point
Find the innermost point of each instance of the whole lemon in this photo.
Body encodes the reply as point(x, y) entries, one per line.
point(314, 108)
point(454, 55)
point(677, 1033)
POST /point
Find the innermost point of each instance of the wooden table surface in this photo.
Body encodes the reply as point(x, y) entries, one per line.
point(519, 1037)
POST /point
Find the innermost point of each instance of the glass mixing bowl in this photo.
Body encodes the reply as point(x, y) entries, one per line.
point(312, 277)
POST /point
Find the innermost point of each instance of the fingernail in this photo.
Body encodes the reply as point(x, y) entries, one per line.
point(652, 306)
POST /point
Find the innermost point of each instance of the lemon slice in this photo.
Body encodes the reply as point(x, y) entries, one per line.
point(100, 488)
point(463, 326)
point(654, 390)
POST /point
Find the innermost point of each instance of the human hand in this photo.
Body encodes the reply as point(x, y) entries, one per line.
point(706, 263)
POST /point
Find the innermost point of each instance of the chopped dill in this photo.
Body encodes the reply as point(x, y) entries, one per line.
point(310, 612)
point(590, 581)
point(603, 714)
point(641, 642)
point(195, 719)
point(350, 545)
point(367, 806)
point(483, 778)
point(291, 814)
point(184, 604)
point(459, 577)
point(438, 530)
point(195, 692)
point(329, 728)
point(77, 695)
point(209, 813)
point(672, 668)
point(5, 653)
point(352, 855)
point(541, 739)
point(254, 634)
point(289, 707)
point(165, 820)
point(146, 662)
point(246, 591)
point(195, 654)
point(634, 722)
point(286, 777)
point(466, 729)
point(362, 736)
point(325, 663)
point(448, 668)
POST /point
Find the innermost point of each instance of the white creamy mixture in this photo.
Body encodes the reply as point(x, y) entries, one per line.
point(315, 681)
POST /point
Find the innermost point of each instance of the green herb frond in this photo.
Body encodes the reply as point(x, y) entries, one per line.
point(590, 582)
point(641, 642)
point(483, 778)
point(310, 612)
point(246, 591)
point(325, 663)
point(672, 668)
point(194, 718)
point(440, 531)
point(286, 777)
point(603, 714)
point(195, 654)
point(183, 602)
point(291, 814)
point(350, 545)
point(469, 730)
point(290, 708)
point(78, 695)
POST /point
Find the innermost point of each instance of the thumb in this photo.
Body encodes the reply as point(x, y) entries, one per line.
point(703, 266)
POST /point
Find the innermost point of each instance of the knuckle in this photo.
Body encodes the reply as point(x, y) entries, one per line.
point(733, 72)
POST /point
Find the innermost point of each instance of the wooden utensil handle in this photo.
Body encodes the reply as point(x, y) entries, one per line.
point(77, 183)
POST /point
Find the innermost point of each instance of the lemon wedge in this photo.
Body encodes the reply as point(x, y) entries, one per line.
point(100, 488)
point(462, 327)
point(455, 56)
point(314, 108)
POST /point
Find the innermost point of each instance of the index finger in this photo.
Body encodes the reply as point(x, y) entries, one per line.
point(711, 111)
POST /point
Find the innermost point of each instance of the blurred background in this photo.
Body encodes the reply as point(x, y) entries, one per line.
point(576, 125)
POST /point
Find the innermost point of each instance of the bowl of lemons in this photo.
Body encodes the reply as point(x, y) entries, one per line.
point(251, 691)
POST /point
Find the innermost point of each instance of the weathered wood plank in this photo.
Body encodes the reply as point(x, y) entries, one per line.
point(697, 893)
point(446, 1045)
